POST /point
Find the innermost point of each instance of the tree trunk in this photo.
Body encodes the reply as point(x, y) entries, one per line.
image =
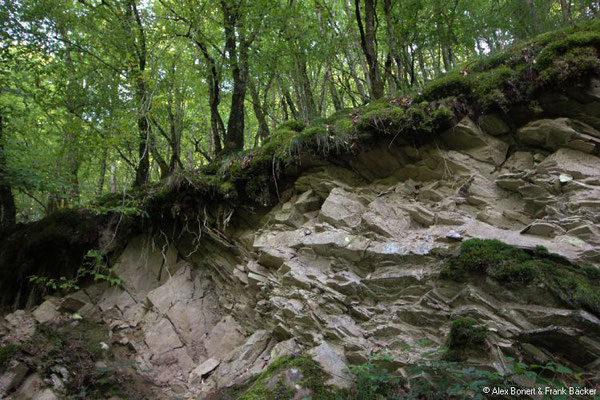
point(369, 45)
point(139, 44)
point(238, 62)
point(290, 102)
point(113, 179)
point(217, 126)
point(263, 127)
point(306, 101)
point(102, 172)
point(566, 11)
point(8, 209)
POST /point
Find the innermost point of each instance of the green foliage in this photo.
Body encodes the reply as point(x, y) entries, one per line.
point(509, 265)
point(432, 378)
point(94, 266)
point(374, 381)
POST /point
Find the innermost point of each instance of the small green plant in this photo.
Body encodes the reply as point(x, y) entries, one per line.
point(93, 267)
point(433, 378)
point(374, 380)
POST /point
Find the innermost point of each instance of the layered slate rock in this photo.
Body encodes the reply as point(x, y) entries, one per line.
point(349, 264)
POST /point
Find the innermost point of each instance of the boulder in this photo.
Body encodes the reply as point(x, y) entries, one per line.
point(284, 348)
point(19, 326)
point(144, 267)
point(46, 312)
point(384, 216)
point(571, 162)
point(203, 369)
point(332, 359)
point(273, 257)
point(225, 336)
point(553, 134)
point(467, 138)
point(341, 208)
point(542, 228)
point(74, 302)
point(493, 124)
point(178, 288)
point(12, 377)
point(307, 202)
point(161, 337)
point(519, 161)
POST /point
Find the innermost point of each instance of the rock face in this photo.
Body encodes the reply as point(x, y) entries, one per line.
point(347, 265)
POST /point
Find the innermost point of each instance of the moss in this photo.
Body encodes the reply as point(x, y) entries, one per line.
point(488, 87)
point(452, 84)
point(556, 48)
point(465, 337)
point(573, 66)
point(485, 256)
point(292, 125)
point(343, 127)
point(384, 119)
point(572, 284)
point(227, 189)
point(464, 332)
point(314, 379)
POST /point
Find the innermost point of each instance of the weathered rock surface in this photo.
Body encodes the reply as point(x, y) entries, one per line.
point(347, 265)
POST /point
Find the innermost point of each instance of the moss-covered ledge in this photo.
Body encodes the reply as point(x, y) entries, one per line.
point(575, 285)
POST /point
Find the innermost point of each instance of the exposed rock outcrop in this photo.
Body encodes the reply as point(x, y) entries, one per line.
point(348, 264)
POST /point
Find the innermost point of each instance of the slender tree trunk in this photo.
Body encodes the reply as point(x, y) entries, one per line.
point(422, 66)
point(566, 11)
point(142, 96)
point(355, 52)
point(290, 102)
point(8, 209)
point(369, 45)
point(263, 127)
point(304, 94)
point(283, 101)
point(335, 96)
point(392, 79)
point(102, 172)
point(238, 61)
point(113, 179)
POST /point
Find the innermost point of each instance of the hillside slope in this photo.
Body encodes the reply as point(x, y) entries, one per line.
point(458, 225)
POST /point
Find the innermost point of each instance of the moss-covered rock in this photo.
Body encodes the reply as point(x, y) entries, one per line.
point(273, 384)
point(575, 285)
point(465, 336)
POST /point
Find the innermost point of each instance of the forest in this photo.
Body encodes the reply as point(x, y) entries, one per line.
point(102, 96)
point(299, 199)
